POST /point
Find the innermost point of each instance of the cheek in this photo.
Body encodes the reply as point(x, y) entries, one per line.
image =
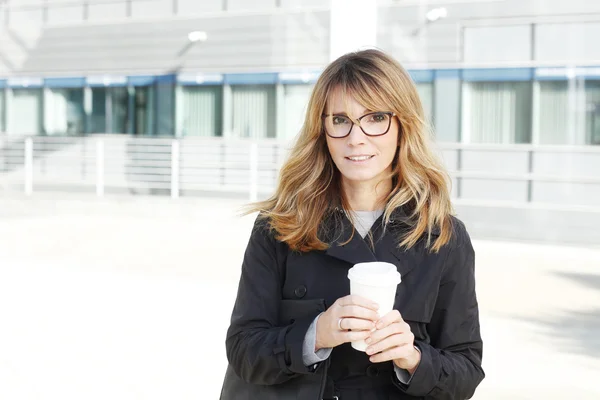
point(333, 148)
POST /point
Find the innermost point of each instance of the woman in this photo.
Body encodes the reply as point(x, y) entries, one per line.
point(361, 184)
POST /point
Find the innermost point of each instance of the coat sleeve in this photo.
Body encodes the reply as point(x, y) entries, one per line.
point(450, 366)
point(259, 349)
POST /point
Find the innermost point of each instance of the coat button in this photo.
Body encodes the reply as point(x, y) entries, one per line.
point(300, 291)
point(372, 371)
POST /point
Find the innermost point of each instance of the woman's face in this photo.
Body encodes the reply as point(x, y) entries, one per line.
point(360, 158)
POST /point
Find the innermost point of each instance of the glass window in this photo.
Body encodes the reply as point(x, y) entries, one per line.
point(119, 109)
point(568, 112)
point(98, 116)
point(592, 92)
point(110, 110)
point(295, 104)
point(2, 111)
point(425, 90)
point(553, 118)
point(202, 110)
point(25, 112)
point(64, 112)
point(253, 111)
point(497, 112)
point(143, 112)
point(165, 109)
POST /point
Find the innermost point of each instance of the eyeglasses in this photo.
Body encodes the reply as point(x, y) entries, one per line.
point(372, 124)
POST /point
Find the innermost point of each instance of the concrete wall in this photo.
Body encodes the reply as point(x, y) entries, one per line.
point(277, 34)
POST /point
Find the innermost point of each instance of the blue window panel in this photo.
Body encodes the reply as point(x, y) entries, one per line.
point(106, 81)
point(64, 82)
point(588, 72)
point(2, 83)
point(298, 78)
point(199, 79)
point(171, 78)
point(421, 75)
point(22, 82)
point(563, 73)
point(141, 80)
point(448, 74)
point(551, 74)
point(497, 74)
point(251, 79)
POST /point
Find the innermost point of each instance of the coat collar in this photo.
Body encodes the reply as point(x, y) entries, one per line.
point(353, 249)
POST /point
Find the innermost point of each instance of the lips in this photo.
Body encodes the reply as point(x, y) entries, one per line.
point(361, 157)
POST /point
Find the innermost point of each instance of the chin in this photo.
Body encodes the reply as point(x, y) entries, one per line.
point(362, 176)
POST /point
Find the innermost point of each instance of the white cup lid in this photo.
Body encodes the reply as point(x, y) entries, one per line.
point(376, 273)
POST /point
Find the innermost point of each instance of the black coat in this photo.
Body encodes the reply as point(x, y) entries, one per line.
point(281, 292)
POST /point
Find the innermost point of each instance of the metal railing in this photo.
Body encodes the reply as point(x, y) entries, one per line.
point(521, 174)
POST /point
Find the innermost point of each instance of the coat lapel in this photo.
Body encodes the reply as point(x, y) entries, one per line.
point(386, 244)
point(355, 250)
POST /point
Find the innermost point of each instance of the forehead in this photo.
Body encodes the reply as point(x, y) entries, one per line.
point(344, 101)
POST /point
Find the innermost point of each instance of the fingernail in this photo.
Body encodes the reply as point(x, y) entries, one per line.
point(369, 351)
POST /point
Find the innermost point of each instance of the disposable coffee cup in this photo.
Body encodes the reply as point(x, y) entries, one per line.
point(376, 281)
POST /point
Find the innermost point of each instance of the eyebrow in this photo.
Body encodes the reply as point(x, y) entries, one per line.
point(365, 111)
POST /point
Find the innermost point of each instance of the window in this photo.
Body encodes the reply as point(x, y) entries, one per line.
point(592, 118)
point(25, 112)
point(110, 110)
point(295, 104)
point(569, 112)
point(64, 114)
point(2, 111)
point(497, 112)
point(143, 114)
point(425, 90)
point(202, 111)
point(253, 111)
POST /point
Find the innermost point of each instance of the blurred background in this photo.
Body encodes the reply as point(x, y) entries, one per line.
point(131, 131)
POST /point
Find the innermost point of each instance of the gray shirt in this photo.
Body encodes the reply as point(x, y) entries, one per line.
point(363, 221)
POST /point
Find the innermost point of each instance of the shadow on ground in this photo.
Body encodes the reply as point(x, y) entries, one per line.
point(573, 332)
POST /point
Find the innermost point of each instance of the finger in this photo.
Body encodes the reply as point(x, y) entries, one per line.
point(392, 354)
point(353, 336)
point(358, 301)
point(355, 311)
point(393, 329)
point(391, 342)
point(389, 318)
point(356, 324)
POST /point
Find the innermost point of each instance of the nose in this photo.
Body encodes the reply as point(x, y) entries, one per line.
point(356, 136)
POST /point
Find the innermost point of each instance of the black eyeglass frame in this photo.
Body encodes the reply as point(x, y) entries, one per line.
point(357, 122)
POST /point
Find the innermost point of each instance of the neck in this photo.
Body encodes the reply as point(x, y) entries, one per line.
point(366, 196)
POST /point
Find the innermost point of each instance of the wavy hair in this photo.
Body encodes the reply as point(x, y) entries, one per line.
point(309, 185)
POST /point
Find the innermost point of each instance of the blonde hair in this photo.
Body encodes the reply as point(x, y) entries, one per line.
point(309, 182)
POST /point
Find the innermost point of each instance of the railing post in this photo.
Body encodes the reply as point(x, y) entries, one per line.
point(253, 171)
point(175, 169)
point(99, 167)
point(28, 166)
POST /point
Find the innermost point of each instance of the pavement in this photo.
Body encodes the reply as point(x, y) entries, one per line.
point(130, 298)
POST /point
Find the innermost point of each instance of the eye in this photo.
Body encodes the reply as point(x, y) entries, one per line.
point(378, 117)
point(339, 120)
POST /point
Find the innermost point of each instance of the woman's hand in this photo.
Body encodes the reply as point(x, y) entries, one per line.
point(349, 319)
point(394, 341)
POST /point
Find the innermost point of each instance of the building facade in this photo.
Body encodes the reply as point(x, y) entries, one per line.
point(511, 87)
point(492, 71)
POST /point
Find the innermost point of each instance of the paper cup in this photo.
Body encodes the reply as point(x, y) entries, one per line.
point(376, 281)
